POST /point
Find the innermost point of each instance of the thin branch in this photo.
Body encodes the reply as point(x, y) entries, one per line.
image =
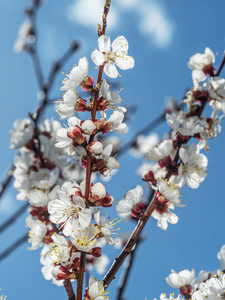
point(69, 289)
point(81, 276)
point(142, 221)
point(221, 65)
point(39, 109)
point(14, 246)
point(127, 271)
point(14, 217)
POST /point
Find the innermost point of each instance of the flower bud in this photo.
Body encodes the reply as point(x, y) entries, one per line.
point(98, 190)
point(95, 147)
point(88, 127)
point(96, 252)
point(87, 83)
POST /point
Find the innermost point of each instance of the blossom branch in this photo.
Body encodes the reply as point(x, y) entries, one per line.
point(69, 289)
point(43, 104)
point(81, 276)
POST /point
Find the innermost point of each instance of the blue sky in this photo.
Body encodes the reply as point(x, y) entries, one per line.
point(162, 36)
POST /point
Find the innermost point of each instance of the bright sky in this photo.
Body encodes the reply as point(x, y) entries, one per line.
point(162, 36)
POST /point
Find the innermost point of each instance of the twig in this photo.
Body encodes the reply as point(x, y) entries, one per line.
point(127, 270)
point(69, 289)
point(221, 65)
point(14, 246)
point(14, 217)
point(81, 276)
point(142, 221)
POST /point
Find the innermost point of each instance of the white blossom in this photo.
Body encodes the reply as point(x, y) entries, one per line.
point(76, 76)
point(84, 239)
point(22, 134)
point(198, 61)
point(177, 280)
point(109, 58)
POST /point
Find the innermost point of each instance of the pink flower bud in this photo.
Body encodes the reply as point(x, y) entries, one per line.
point(87, 83)
point(88, 127)
point(95, 147)
point(96, 252)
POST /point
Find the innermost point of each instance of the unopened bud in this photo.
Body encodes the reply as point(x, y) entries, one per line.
point(95, 147)
point(88, 127)
point(98, 190)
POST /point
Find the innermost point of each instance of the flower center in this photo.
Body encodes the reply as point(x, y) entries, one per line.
point(110, 57)
point(74, 210)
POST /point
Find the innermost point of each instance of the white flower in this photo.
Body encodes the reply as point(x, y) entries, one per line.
point(165, 217)
point(199, 61)
point(66, 107)
point(211, 289)
point(160, 151)
point(22, 134)
point(88, 127)
point(110, 96)
point(106, 227)
point(46, 260)
point(96, 290)
point(84, 239)
point(39, 198)
point(37, 232)
point(192, 168)
point(177, 280)
point(44, 178)
point(171, 297)
point(110, 58)
point(186, 126)
point(116, 119)
point(111, 162)
point(61, 250)
point(132, 199)
point(76, 76)
point(70, 210)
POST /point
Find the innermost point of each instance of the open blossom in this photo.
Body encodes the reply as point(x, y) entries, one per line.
point(201, 64)
point(66, 107)
point(181, 279)
point(171, 297)
point(105, 227)
point(84, 239)
point(193, 166)
point(22, 134)
point(110, 96)
point(76, 76)
point(95, 290)
point(116, 119)
point(109, 58)
point(187, 126)
point(70, 210)
point(36, 233)
point(132, 202)
point(211, 289)
point(160, 151)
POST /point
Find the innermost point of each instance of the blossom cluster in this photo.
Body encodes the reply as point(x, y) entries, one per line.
point(177, 160)
point(207, 285)
point(64, 210)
